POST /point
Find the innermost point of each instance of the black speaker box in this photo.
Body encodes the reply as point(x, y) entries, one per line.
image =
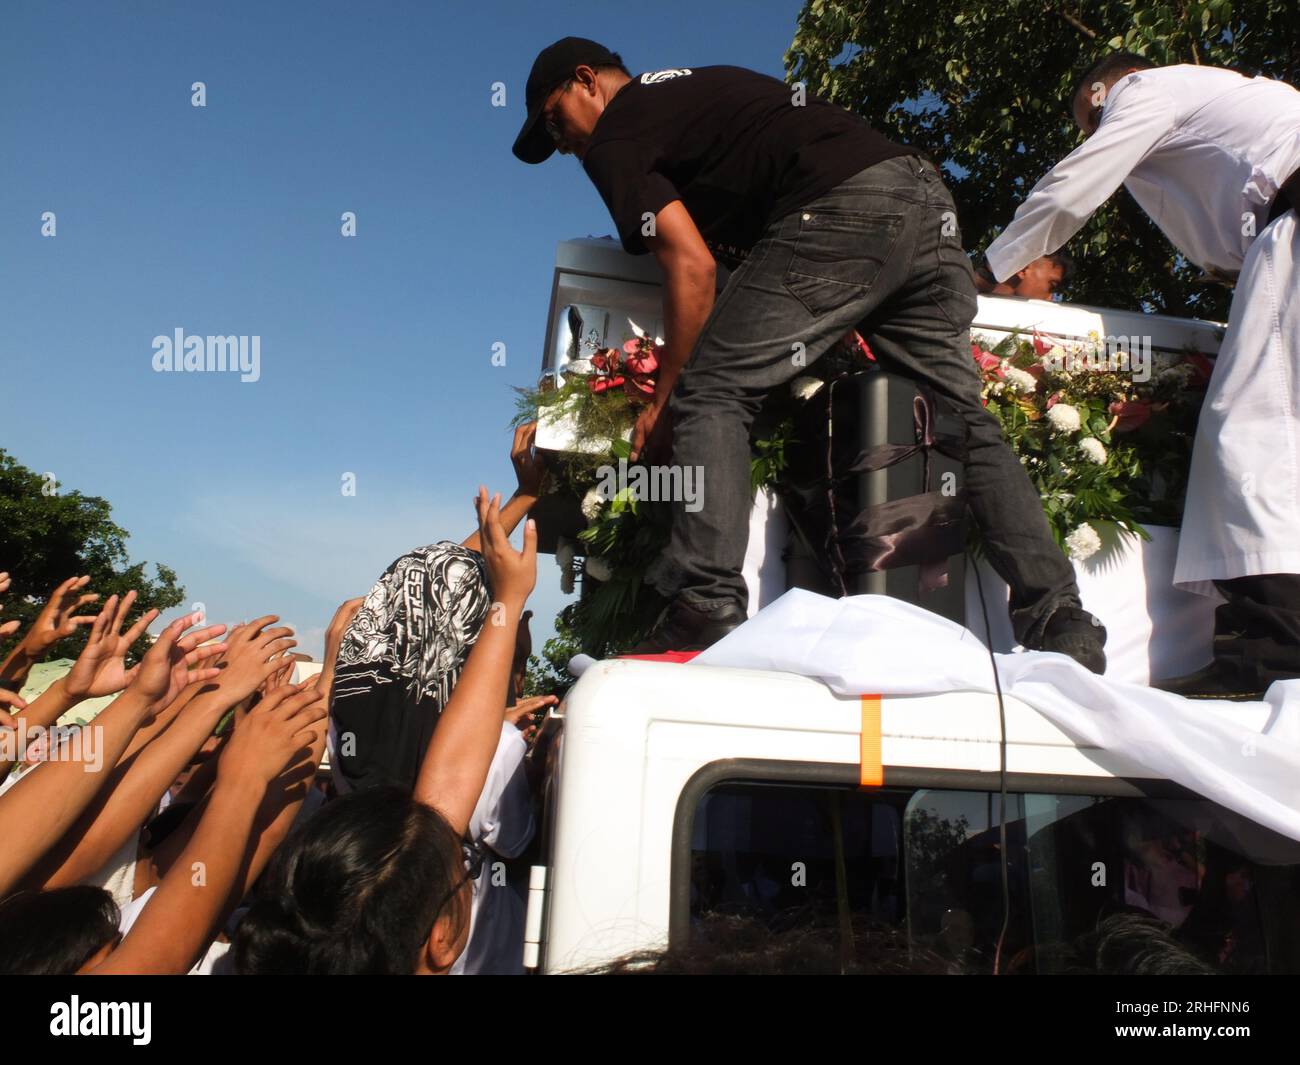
point(866, 515)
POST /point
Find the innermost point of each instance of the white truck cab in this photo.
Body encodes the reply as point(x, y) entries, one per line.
point(676, 789)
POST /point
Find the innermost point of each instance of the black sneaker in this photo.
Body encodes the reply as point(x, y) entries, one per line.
point(1074, 632)
point(683, 628)
point(1218, 680)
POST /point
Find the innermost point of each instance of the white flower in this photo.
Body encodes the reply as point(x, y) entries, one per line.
point(580, 367)
point(1020, 380)
point(805, 387)
point(1093, 449)
point(598, 569)
point(1084, 542)
point(591, 504)
point(564, 556)
point(1065, 418)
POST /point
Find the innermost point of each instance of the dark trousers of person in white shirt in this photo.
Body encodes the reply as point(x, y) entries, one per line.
point(880, 252)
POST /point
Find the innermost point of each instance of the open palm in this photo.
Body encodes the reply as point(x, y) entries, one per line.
point(100, 669)
point(172, 663)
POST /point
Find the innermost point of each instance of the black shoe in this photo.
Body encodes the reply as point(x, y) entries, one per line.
point(1074, 632)
point(1216, 681)
point(683, 628)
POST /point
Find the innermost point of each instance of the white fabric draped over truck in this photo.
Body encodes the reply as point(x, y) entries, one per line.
point(1243, 756)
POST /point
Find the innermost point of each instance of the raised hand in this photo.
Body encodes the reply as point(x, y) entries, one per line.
point(100, 669)
point(58, 618)
point(524, 714)
point(511, 573)
point(338, 627)
point(252, 656)
point(8, 698)
point(9, 627)
point(530, 467)
point(274, 736)
point(171, 664)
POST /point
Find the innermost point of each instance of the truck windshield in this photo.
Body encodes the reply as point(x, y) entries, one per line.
point(1094, 884)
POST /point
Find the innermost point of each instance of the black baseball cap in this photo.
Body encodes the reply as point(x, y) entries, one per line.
point(553, 66)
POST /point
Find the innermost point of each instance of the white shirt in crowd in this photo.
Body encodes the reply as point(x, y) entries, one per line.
point(503, 821)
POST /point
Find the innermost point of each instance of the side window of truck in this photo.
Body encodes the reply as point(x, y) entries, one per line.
point(911, 879)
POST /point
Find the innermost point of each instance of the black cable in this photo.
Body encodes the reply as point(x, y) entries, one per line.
point(1002, 773)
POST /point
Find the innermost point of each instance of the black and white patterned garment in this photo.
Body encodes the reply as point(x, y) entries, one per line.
point(399, 660)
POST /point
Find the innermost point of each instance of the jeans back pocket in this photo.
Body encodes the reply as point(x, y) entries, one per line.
point(838, 256)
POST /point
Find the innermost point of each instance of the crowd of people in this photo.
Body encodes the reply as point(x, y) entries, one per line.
point(188, 827)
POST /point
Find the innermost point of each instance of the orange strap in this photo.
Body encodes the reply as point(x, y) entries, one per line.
point(871, 773)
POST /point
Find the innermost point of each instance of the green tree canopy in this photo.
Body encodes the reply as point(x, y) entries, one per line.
point(47, 536)
point(984, 89)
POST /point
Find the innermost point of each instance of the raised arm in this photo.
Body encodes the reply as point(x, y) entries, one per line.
point(136, 785)
point(57, 619)
point(44, 804)
point(179, 921)
point(456, 762)
point(530, 468)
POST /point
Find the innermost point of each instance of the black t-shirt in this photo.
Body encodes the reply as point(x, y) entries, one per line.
point(731, 144)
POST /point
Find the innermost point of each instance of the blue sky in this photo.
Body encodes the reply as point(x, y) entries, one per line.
point(375, 350)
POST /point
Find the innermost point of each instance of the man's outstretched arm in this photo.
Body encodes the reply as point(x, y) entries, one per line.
point(1059, 205)
point(690, 279)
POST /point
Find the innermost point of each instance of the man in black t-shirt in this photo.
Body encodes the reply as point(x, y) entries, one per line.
point(830, 226)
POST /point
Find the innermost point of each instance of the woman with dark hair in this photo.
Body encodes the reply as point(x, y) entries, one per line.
point(57, 933)
point(387, 879)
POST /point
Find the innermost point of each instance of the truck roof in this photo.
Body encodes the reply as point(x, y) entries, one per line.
point(628, 706)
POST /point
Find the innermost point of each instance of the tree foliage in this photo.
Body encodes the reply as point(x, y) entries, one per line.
point(47, 536)
point(984, 89)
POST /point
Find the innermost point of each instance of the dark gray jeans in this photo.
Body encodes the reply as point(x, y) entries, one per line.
point(880, 252)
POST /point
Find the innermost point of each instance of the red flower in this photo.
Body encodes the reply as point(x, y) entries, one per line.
point(1131, 414)
point(602, 384)
point(641, 364)
point(639, 387)
point(854, 340)
point(1040, 345)
point(986, 360)
point(1203, 365)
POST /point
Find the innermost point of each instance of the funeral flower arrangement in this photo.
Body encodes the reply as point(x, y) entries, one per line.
point(623, 505)
point(1105, 435)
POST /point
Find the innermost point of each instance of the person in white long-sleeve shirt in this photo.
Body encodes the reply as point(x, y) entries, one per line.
point(1213, 157)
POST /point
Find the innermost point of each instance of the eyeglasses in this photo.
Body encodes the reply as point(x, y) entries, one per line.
point(548, 118)
point(472, 854)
